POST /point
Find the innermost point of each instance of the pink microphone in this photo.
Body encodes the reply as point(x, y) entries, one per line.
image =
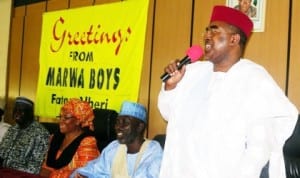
point(192, 55)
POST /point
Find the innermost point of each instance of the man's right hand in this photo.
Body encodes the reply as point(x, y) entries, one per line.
point(176, 75)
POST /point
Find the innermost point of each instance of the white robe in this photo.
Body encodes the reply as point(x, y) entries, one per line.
point(225, 125)
point(3, 128)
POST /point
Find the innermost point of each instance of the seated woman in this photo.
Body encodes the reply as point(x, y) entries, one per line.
point(74, 145)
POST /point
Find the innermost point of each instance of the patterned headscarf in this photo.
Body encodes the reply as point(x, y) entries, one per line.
point(81, 110)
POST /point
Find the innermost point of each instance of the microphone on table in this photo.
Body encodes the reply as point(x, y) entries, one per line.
point(192, 55)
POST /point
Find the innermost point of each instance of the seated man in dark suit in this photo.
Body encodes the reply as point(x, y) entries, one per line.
point(25, 144)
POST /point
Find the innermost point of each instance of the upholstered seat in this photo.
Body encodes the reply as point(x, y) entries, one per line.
point(104, 124)
point(291, 151)
point(161, 138)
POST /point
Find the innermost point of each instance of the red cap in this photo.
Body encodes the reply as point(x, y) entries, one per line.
point(233, 17)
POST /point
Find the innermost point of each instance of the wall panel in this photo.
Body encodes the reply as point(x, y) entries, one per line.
point(294, 78)
point(269, 48)
point(105, 1)
point(53, 5)
point(80, 3)
point(35, 9)
point(146, 69)
point(5, 19)
point(14, 63)
point(171, 38)
point(19, 11)
point(31, 48)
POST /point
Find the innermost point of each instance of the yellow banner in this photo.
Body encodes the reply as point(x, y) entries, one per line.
point(93, 53)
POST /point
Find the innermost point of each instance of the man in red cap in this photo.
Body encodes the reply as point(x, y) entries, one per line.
point(227, 117)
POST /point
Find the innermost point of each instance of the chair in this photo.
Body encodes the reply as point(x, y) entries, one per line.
point(161, 138)
point(51, 127)
point(104, 124)
point(291, 152)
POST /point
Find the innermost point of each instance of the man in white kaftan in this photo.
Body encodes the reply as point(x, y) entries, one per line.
point(224, 123)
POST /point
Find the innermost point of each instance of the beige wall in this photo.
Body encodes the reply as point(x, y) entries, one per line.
point(173, 26)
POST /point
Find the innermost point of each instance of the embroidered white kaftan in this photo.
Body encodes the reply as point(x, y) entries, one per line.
point(225, 125)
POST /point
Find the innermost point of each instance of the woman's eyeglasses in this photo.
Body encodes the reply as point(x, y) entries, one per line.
point(64, 118)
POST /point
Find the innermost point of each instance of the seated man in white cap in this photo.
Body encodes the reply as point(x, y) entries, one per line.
point(131, 155)
point(25, 144)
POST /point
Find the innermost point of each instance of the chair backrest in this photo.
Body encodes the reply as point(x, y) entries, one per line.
point(161, 138)
point(52, 127)
point(104, 124)
point(291, 152)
